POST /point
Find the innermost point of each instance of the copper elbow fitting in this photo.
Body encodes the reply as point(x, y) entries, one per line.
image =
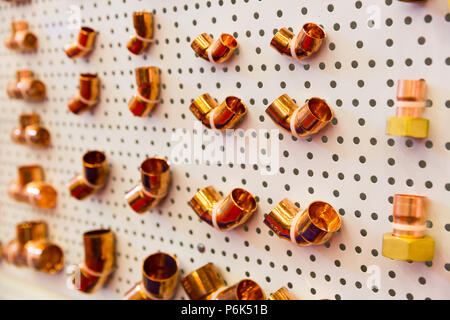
point(143, 24)
point(21, 38)
point(83, 45)
point(26, 87)
point(160, 277)
point(218, 117)
point(215, 51)
point(246, 289)
point(282, 294)
point(313, 226)
point(154, 185)
point(300, 121)
point(203, 282)
point(223, 213)
point(88, 94)
point(30, 132)
point(148, 90)
point(308, 41)
point(93, 177)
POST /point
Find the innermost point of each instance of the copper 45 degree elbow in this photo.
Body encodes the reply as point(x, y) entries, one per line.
point(26, 87)
point(88, 95)
point(300, 121)
point(155, 180)
point(218, 117)
point(215, 51)
point(223, 213)
point(92, 179)
point(202, 283)
point(143, 24)
point(21, 38)
point(313, 226)
point(160, 277)
point(148, 91)
point(83, 45)
point(30, 132)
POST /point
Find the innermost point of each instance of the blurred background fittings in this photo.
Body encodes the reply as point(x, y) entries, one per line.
point(30, 132)
point(203, 282)
point(26, 87)
point(21, 38)
point(282, 294)
point(215, 51)
point(148, 90)
point(88, 95)
point(83, 45)
point(143, 24)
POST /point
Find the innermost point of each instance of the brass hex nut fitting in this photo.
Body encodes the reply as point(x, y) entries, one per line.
point(409, 249)
point(83, 45)
point(143, 24)
point(408, 127)
point(215, 51)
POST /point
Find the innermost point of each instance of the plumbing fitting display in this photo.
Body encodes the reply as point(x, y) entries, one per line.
point(282, 294)
point(408, 240)
point(143, 24)
point(215, 51)
point(26, 87)
point(88, 94)
point(31, 188)
point(308, 41)
point(31, 248)
point(223, 213)
point(218, 117)
point(203, 282)
point(30, 132)
point(160, 277)
point(313, 226)
point(148, 91)
point(246, 289)
point(300, 121)
point(21, 39)
point(93, 177)
point(83, 45)
point(411, 102)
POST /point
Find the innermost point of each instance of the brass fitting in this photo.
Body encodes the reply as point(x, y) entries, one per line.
point(155, 180)
point(93, 177)
point(148, 91)
point(314, 226)
point(408, 240)
point(203, 282)
point(219, 117)
point(308, 41)
point(30, 132)
point(21, 38)
point(143, 24)
point(223, 213)
point(215, 51)
point(282, 294)
point(83, 45)
point(88, 94)
point(26, 87)
point(300, 121)
point(160, 277)
point(246, 289)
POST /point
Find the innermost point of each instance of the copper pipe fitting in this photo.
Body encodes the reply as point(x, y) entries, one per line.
point(143, 24)
point(282, 294)
point(93, 177)
point(30, 132)
point(26, 87)
point(314, 226)
point(218, 117)
point(88, 95)
point(84, 44)
point(203, 282)
point(243, 290)
point(148, 91)
point(300, 121)
point(21, 39)
point(308, 41)
point(215, 51)
point(160, 277)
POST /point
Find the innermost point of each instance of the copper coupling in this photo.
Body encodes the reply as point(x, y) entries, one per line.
point(21, 38)
point(148, 90)
point(93, 178)
point(154, 185)
point(218, 117)
point(215, 51)
point(313, 226)
point(30, 187)
point(160, 277)
point(410, 105)
point(88, 95)
point(83, 45)
point(282, 294)
point(26, 87)
point(300, 121)
point(31, 248)
point(143, 24)
point(30, 132)
point(308, 41)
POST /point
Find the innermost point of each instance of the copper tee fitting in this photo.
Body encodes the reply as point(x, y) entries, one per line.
point(215, 51)
point(314, 226)
point(246, 289)
point(21, 38)
point(282, 294)
point(83, 45)
point(93, 177)
point(88, 95)
point(154, 185)
point(218, 117)
point(203, 282)
point(148, 91)
point(143, 24)
point(26, 87)
point(223, 213)
point(30, 132)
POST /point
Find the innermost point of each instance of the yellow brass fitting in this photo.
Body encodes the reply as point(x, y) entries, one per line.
point(88, 95)
point(300, 121)
point(143, 24)
point(243, 290)
point(203, 282)
point(30, 132)
point(308, 41)
point(219, 117)
point(83, 45)
point(282, 294)
point(21, 38)
point(215, 51)
point(314, 226)
point(93, 177)
point(26, 87)
point(223, 213)
point(148, 91)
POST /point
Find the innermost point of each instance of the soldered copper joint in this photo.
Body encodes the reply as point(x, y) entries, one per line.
point(215, 51)
point(148, 91)
point(223, 213)
point(93, 178)
point(83, 45)
point(21, 38)
point(88, 95)
point(143, 24)
point(30, 131)
point(313, 226)
point(202, 283)
point(26, 87)
point(282, 294)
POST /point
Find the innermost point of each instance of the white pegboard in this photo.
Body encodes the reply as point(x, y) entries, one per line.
point(352, 164)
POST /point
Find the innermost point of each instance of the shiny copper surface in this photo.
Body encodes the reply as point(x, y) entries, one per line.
point(409, 210)
point(243, 290)
point(203, 282)
point(282, 294)
point(160, 275)
point(411, 90)
point(88, 95)
point(83, 45)
point(143, 24)
point(148, 83)
point(220, 50)
point(26, 87)
point(18, 133)
point(21, 38)
point(44, 256)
